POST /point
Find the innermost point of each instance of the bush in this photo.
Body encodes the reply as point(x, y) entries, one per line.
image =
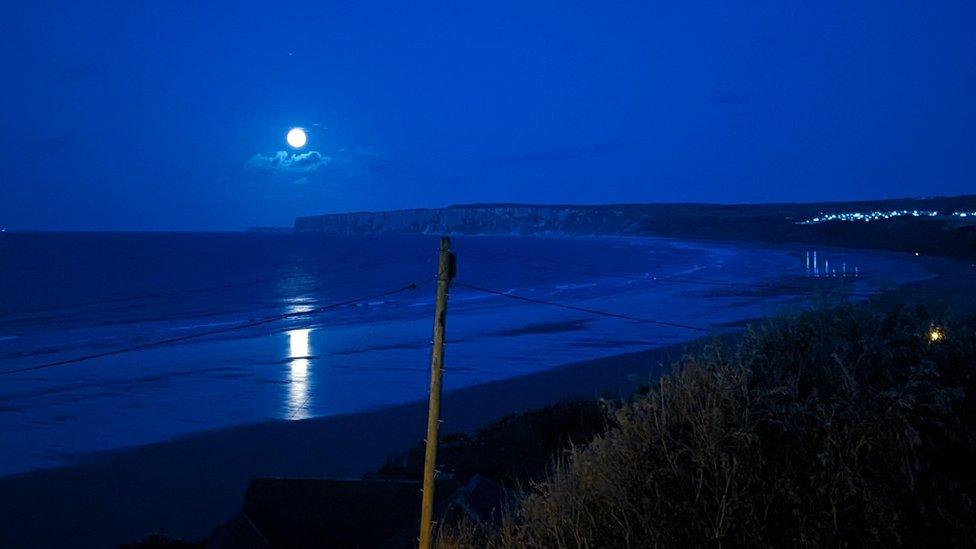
point(514, 449)
point(843, 426)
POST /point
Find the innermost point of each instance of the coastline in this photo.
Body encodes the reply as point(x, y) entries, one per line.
point(185, 487)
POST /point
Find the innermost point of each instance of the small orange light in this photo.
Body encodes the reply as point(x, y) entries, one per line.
point(936, 334)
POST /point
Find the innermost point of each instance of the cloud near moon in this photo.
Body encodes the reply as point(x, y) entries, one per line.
point(289, 163)
point(313, 167)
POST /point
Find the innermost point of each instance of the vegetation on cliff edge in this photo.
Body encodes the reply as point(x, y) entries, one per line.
point(849, 425)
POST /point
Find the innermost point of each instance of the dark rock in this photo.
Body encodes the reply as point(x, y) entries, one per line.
point(324, 513)
point(477, 502)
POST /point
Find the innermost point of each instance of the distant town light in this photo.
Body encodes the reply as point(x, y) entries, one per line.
point(936, 334)
point(867, 217)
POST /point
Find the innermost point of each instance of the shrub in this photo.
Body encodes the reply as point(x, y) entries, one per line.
point(514, 449)
point(844, 426)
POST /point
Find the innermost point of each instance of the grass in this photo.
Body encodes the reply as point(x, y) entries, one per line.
point(845, 426)
point(508, 451)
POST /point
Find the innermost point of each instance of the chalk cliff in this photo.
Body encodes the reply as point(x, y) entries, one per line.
point(944, 234)
point(487, 219)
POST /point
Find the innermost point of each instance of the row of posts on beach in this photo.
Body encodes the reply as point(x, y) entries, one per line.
point(818, 268)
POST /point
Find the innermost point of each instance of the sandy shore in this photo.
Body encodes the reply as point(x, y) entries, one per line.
point(187, 486)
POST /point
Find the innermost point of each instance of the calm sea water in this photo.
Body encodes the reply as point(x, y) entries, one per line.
point(65, 296)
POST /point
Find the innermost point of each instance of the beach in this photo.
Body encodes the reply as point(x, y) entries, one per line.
point(187, 486)
point(118, 484)
point(165, 335)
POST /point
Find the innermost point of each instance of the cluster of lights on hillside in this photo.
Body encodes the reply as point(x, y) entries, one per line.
point(877, 215)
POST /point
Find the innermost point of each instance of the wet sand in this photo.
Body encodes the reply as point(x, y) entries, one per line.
point(187, 486)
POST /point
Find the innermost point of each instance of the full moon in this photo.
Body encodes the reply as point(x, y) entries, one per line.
point(296, 138)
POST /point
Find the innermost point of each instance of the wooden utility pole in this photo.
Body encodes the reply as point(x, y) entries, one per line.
point(445, 272)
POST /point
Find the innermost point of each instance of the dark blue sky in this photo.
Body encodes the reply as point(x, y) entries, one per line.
point(172, 116)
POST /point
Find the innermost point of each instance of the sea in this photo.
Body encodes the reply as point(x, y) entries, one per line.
point(112, 340)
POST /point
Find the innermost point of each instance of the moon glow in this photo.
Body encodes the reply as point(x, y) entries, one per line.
point(296, 138)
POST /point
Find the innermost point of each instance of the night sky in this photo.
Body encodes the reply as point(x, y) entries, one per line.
point(173, 115)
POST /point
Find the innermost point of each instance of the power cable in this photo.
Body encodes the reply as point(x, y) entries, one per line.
point(308, 397)
point(598, 312)
point(198, 335)
point(699, 280)
point(25, 315)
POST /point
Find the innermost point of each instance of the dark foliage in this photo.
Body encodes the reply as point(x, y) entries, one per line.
point(846, 426)
point(516, 448)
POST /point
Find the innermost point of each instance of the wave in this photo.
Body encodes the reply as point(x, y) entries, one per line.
point(574, 286)
point(206, 325)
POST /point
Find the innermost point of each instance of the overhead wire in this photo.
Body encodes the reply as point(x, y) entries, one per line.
point(684, 279)
point(26, 315)
point(598, 312)
point(208, 333)
point(308, 398)
point(412, 285)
